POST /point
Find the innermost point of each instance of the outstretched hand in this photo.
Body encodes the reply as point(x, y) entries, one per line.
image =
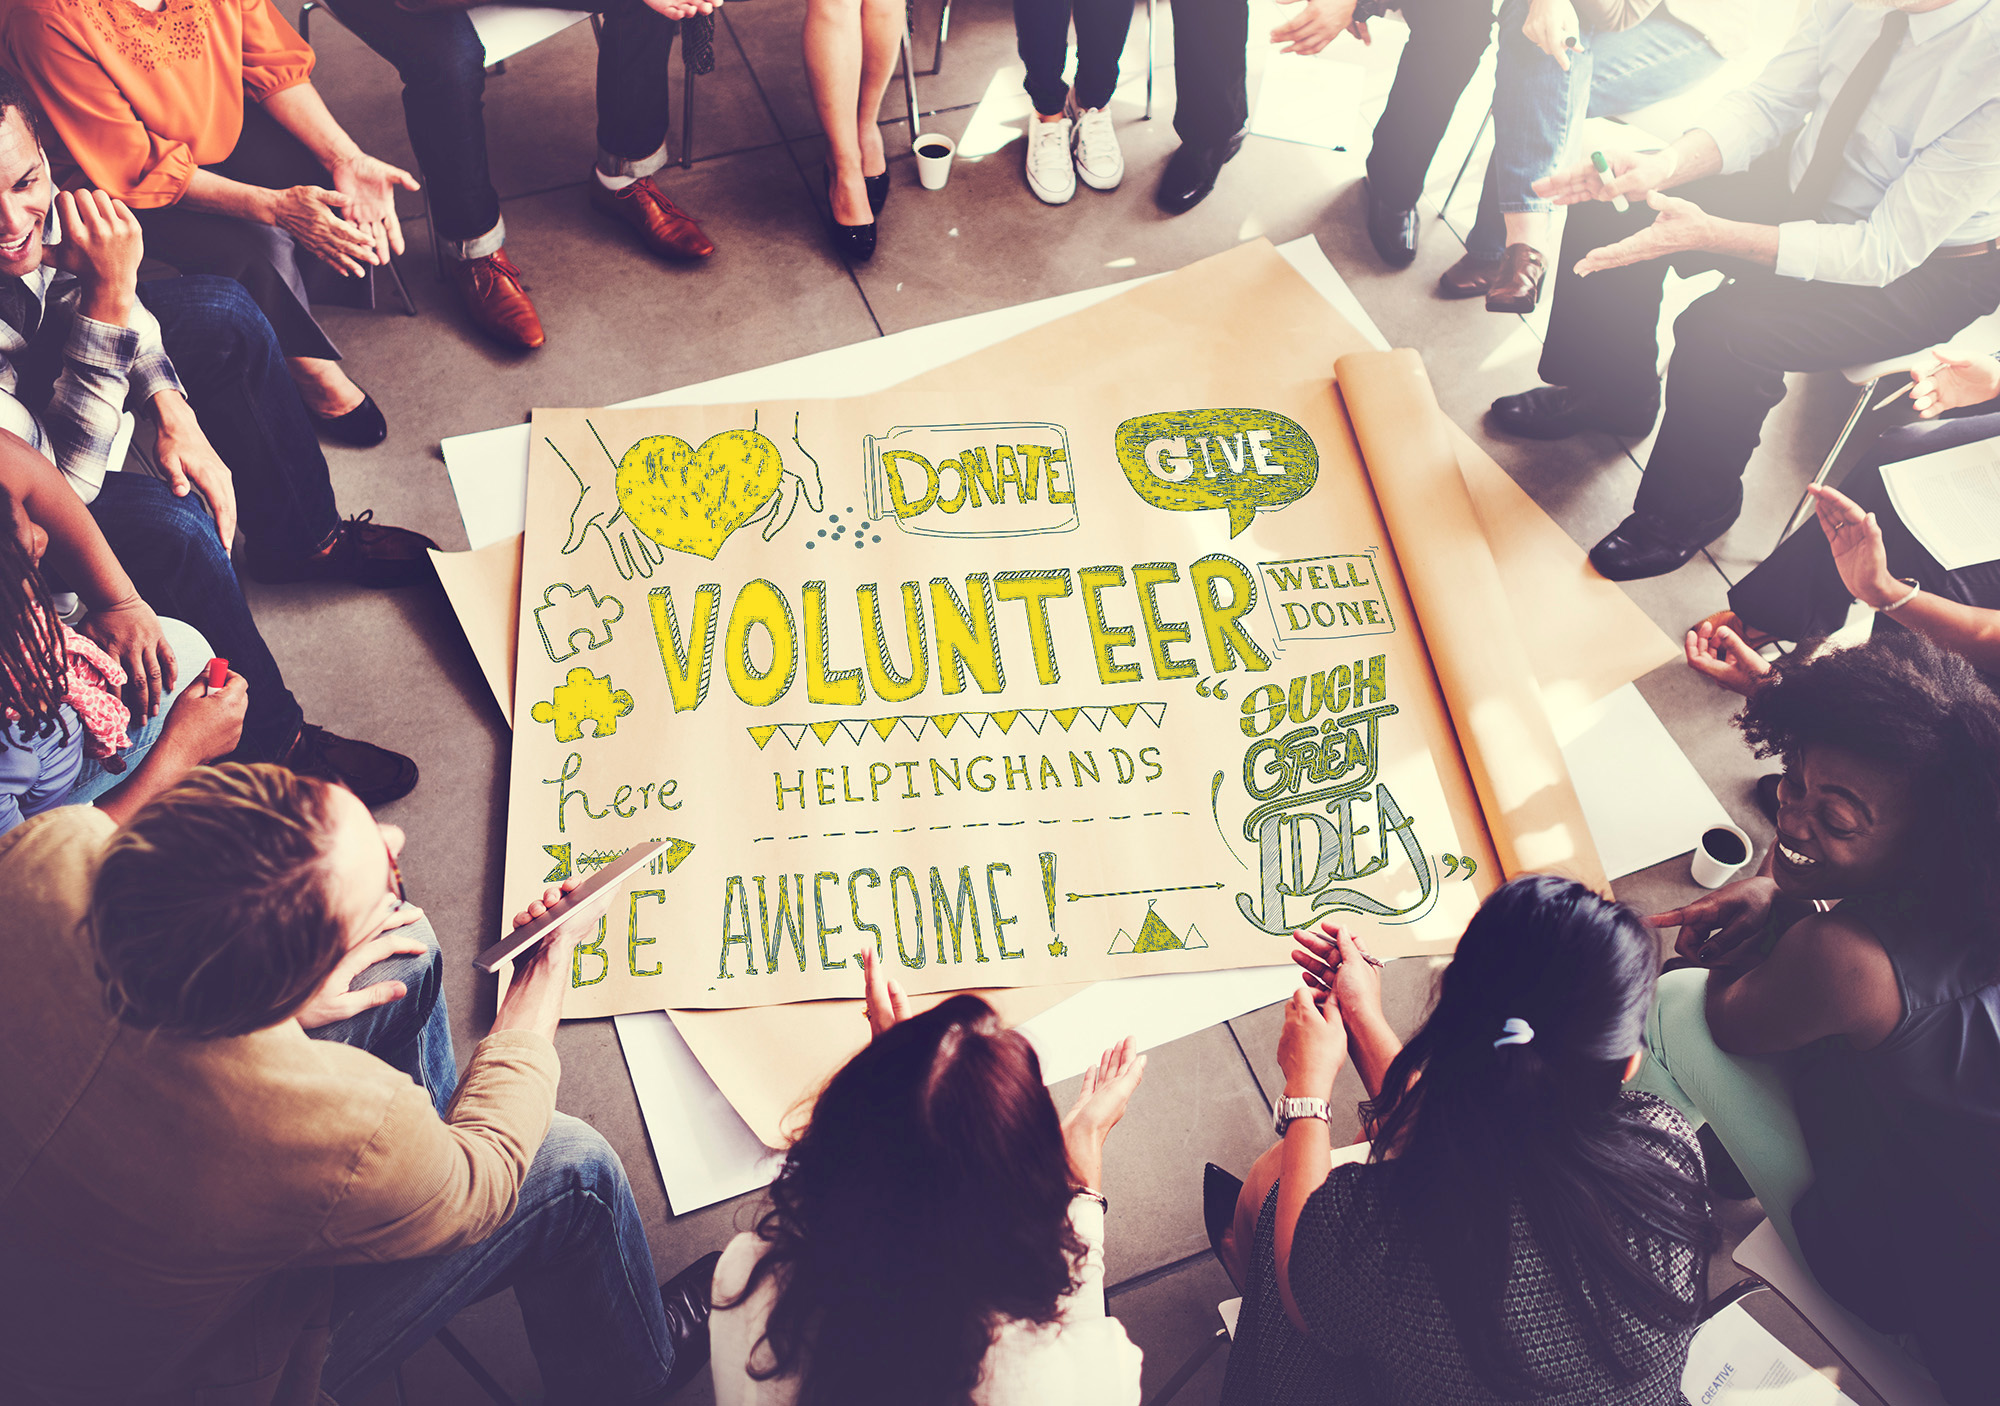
point(1719, 654)
point(1859, 553)
point(1951, 380)
point(1108, 1087)
point(1634, 175)
point(1678, 226)
point(1317, 24)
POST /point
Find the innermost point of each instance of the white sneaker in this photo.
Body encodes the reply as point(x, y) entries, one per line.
point(1051, 174)
point(1098, 160)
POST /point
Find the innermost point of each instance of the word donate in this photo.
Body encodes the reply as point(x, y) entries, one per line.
point(1243, 461)
point(992, 480)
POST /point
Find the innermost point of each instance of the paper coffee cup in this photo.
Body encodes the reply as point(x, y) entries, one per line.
point(1719, 853)
point(934, 151)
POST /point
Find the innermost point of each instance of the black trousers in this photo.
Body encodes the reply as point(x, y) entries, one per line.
point(1447, 39)
point(1211, 39)
point(442, 64)
point(283, 279)
point(1732, 347)
point(1041, 33)
point(1796, 594)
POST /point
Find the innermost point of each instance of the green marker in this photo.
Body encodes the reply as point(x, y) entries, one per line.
point(1618, 202)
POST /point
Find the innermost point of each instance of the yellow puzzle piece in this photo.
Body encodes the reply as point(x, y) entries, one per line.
point(582, 697)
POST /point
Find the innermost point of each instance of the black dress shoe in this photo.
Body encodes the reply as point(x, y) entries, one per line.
point(1643, 546)
point(362, 427)
point(374, 774)
point(1393, 232)
point(1219, 1191)
point(1191, 173)
point(687, 1302)
point(878, 191)
point(363, 552)
point(1557, 412)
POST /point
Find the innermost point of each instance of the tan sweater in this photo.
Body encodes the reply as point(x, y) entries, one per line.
point(170, 1209)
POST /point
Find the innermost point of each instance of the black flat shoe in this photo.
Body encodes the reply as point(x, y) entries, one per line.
point(1725, 1178)
point(1219, 1191)
point(1643, 546)
point(686, 1299)
point(1191, 173)
point(362, 427)
point(1393, 231)
point(878, 191)
point(1557, 412)
point(854, 243)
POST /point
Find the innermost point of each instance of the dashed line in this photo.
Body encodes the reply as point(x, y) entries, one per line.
point(978, 825)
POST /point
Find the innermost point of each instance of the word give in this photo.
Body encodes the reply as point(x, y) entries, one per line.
point(1243, 461)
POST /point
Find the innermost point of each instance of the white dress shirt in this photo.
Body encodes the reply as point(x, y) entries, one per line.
point(1081, 1359)
point(1922, 170)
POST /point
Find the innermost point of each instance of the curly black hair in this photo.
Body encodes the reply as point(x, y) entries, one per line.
point(1902, 702)
point(34, 666)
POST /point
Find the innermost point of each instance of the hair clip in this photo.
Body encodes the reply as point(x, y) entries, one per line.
point(1517, 1032)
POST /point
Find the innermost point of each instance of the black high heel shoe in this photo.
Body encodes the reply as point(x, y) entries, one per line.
point(878, 191)
point(854, 243)
point(1219, 1191)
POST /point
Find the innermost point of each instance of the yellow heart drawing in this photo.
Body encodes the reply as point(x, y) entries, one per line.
point(691, 500)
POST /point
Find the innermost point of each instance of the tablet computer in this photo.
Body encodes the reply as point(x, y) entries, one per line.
point(576, 903)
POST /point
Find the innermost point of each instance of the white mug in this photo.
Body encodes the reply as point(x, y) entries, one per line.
point(934, 151)
point(1720, 853)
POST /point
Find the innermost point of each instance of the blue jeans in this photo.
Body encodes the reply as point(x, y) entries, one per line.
point(574, 1251)
point(228, 358)
point(1537, 107)
point(191, 652)
point(168, 547)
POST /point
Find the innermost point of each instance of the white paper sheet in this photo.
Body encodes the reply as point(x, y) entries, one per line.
point(489, 469)
point(1734, 1361)
point(1644, 800)
point(1885, 1367)
point(1950, 501)
point(706, 1151)
point(505, 30)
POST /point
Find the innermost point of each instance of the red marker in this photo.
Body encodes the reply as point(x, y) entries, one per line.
point(218, 674)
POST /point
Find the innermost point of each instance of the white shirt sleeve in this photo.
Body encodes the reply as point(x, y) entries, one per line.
point(1950, 180)
point(1751, 121)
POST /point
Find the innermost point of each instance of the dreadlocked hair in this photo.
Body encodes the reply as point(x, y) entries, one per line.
point(1902, 702)
point(34, 666)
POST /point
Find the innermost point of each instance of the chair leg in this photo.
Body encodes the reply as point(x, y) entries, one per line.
point(402, 289)
point(943, 34)
point(402, 1396)
point(1463, 166)
point(1827, 465)
point(1147, 116)
point(497, 1393)
point(306, 20)
point(687, 110)
point(1188, 1368)
point(910, 82)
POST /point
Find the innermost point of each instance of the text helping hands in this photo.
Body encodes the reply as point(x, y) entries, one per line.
point(534, 999)
point(1716, 929)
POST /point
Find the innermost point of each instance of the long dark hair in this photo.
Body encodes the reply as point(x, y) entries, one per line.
point(1902, 702)
point(1479, 1131)
point(34, 667)
point(926, 1203)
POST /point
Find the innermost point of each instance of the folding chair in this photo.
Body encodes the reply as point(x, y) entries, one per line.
point(1228, 1310)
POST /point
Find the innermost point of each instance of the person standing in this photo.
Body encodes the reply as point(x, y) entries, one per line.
point(1072, 137)
point(1871, 237)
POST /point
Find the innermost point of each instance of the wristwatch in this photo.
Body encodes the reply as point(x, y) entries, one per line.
point(1285, 1110)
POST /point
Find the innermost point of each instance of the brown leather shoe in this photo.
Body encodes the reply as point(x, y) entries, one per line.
point(663, 226)
point(1517, 283)
point(1470, 277)
point(496, 299)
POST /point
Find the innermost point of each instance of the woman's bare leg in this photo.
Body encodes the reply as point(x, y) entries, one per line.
point(323, 385)
point(834, 62)
point(881, 43)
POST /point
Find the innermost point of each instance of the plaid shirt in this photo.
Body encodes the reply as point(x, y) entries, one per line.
point(79, 428)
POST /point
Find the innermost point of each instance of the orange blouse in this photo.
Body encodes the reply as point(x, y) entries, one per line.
point(142, 98)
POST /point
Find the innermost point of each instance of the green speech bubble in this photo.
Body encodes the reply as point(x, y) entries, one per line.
point(1186, 461)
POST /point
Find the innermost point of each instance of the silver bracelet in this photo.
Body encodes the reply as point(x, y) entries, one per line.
point(1916, 589)
point(1085, 1193)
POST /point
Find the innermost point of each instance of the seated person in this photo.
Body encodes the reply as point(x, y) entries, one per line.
point(65, 737)
point(443, 66)
point(203, 120)
point(1849, 1061)
point(1520, 1227)
point(1559, 63)
point(1870, 235)
point(937, 1232)
point(210, 1205)
point(1860, 549)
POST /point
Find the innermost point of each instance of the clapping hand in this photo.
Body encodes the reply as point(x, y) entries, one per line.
point(1337, 966)
point(1108, 1087)
point(885, 1002)
point(1859, 554)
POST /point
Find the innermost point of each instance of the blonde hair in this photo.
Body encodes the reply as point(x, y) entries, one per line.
point(210, 909)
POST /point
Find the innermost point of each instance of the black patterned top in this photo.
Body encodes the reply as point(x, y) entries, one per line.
point(1381, 1335)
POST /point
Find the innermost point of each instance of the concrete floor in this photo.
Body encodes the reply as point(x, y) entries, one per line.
point(394, 668)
